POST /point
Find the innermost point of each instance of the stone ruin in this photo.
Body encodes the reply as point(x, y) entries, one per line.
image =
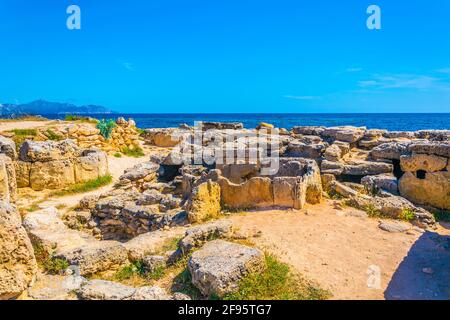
point(56, 165)
point(87, 136)
point(47, 165)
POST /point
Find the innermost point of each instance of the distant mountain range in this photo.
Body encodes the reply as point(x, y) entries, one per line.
point(40, 107)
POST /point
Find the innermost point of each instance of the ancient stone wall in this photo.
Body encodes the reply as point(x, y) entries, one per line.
point(55, 165)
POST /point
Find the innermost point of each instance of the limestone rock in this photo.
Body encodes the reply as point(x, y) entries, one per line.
point(150, 242)
point(308, 130)
point(256, 192)
point(380, 182)
point(390, 151)
point(8, 147)
point(92, 165)
point(105, 290)
point(34, 151)
point(345, 133)
point(219, 265)
point(153, 262)
point(55, 174)
point(204, 202)
point(394, 226)
point(48, 232)
point(56, 287)
point(441, 149)
point(333, 153)
point(420, 161)
point(433, 190)
point(150, 293)
point(362, 168)
point(17, 262)
point(8, 183)
point(96, 257)
point(197, 236)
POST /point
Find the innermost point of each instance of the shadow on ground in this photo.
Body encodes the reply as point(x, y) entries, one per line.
point(425, 272)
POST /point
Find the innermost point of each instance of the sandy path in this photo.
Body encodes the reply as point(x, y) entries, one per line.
point(117, 166)
point(10, 125)
point(336, 248)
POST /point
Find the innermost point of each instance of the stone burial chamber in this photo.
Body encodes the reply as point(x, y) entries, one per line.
point(55, 165)
point(296, 182)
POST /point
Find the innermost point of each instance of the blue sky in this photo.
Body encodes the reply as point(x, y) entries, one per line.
point(228, 56)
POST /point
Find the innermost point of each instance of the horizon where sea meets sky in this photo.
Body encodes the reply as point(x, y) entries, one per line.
point(251, 56)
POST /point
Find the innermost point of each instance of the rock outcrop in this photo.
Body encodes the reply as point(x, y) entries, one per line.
point(55, 165)
point(218, 266)
point(17, 262)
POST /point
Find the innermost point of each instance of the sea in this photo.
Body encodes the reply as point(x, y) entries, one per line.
point(388, 121)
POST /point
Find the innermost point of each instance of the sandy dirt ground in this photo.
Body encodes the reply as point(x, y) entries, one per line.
point(343, 249)
point(10, 125)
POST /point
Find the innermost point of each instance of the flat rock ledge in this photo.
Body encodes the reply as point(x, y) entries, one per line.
point(219, 265)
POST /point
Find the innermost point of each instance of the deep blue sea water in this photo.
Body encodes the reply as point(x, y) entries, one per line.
point(389, 121)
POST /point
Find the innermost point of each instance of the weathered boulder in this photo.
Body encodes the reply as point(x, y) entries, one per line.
point(344, 133)
point(8, 147)
point(43, 151)
point(154, 262)
point(311, 151)
point(394, 226)
point(333, 153)
point(91, 165)
point(197, 236)
point(149, 243)
point(308, 130)
point(330, 167)
point(204, 202)
point(17, 262)
point(49, 233)
point(421, 161)
point(432, 190)
point(56, 287)
point(219, 265)
point(394, 207)
point(380, 182)
point(22, 173)
point(8, 183)
point(390, 151)
point(441, 149)
point(55, 174)
point(96, 257)
point(150, 293)
point(362, 168)
point(207, 125)
point(146, 170)
point(105, 290)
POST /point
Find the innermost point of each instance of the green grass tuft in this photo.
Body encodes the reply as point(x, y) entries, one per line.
point(135, 152)
point(277, 282)
point(407, 215)
point(84, 187)
point(71, 117)
point(52, 135)
point(118, 155)
point(24, 132)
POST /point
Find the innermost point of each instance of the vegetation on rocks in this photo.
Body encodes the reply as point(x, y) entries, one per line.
point(106, 127)
point(135, 152)
point(82, 119)
point(277, 282)
point(85, 186)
